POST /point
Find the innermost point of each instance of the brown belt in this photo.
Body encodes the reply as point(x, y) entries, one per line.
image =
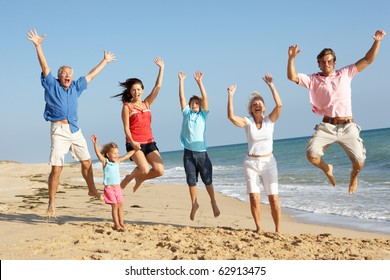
point(336, 121)
point(259, 156)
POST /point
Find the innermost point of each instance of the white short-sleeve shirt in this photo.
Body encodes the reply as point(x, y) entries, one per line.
point(260, 141)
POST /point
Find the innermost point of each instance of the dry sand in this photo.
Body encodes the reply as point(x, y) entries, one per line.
point(157, 226)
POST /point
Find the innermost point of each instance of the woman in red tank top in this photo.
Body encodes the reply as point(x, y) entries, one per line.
point(137, 118)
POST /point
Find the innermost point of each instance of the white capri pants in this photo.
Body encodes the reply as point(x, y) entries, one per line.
point(262, 170)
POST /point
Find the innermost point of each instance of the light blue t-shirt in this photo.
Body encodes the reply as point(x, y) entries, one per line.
point(193, 130)
point(111, 174)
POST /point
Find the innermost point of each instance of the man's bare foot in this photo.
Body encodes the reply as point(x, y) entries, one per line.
point(96, 195)
point(50, 212)
point(353, 182)
point(195, 207)
point(329, 174)
point(215, 209)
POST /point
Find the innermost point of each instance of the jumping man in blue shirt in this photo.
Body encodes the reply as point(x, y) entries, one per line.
point(61, 97)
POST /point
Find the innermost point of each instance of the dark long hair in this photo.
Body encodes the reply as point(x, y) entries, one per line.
point(125, 95)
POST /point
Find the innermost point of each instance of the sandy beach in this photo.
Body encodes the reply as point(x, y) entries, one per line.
point(157, 226)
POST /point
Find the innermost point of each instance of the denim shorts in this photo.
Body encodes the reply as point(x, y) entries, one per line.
point(197, 163)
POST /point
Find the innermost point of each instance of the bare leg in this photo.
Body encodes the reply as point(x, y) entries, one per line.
point(126, 181)
point(255, 209)
point(53, 181)
point(115, 216)
point(141, 170)
point(210, 190)
point(275, 210)
point(120, 215)
point(86, 171)
point(357, 167)
point(157, 170)
point(194, 201)
point(326, 168)
point(134, 174)
point(152, 174)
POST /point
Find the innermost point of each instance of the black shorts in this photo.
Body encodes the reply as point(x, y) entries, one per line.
point(145, 148)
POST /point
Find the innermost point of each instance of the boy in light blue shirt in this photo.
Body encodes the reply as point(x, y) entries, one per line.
point(192, 137)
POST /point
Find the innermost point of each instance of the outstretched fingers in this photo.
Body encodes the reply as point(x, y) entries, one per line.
point(109, 56)
point(33, 36)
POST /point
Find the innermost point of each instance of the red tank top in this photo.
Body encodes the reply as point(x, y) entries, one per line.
point(140, 124)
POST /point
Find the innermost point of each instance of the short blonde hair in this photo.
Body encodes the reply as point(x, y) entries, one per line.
point(107, 148)
point(254, 97)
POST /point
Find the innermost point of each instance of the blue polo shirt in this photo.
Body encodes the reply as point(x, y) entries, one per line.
point(193, 130)
point(62, 104)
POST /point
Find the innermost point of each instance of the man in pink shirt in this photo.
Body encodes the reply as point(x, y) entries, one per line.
point(330, 96)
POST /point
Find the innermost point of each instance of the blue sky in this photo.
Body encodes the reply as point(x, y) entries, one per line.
point(230, 41)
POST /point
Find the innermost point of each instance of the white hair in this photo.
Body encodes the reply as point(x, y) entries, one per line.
point(62, 67)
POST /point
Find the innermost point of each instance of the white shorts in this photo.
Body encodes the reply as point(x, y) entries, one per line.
point(64, 141)
point(263, 171)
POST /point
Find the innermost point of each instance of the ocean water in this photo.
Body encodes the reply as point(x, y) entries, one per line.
point(304, 190)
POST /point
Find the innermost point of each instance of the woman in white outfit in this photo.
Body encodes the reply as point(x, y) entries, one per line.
point(259, 165)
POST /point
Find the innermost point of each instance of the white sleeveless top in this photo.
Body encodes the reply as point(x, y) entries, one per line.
point(260, 141)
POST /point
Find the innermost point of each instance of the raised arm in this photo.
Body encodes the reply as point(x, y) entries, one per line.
point(236, 120)
point(33, 36)
point(205, 100)
point(274, 115)
point(372, 52)
point(292, 75)
point(182, 99)
point(108, 57)
point(153, 95)
point(94, 140)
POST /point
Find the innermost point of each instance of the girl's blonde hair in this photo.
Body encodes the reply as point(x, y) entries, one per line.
point(107, 148)
point(254, 97)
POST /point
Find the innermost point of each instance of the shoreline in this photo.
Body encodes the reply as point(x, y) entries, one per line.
point(349, 223)
point(158, 225)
